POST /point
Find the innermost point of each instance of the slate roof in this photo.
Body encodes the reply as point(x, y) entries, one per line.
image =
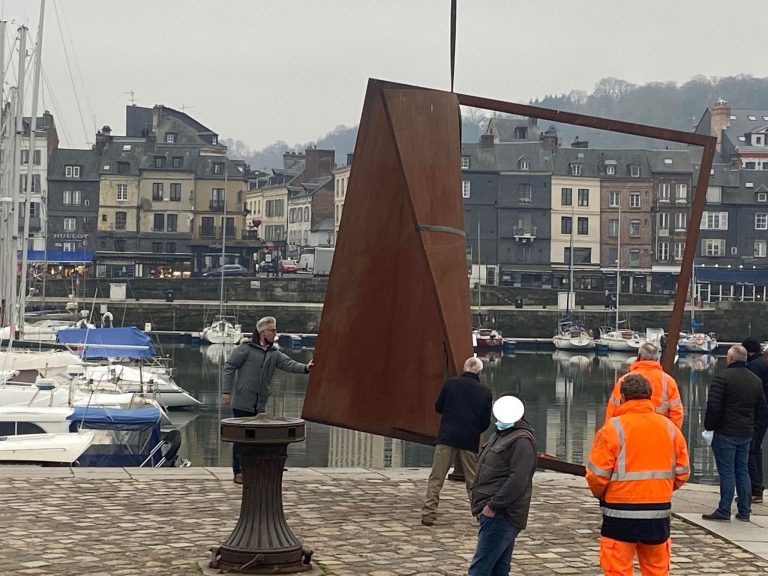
point(506, 156)
point(61, 157)
point(122, 149)
point(743, 122)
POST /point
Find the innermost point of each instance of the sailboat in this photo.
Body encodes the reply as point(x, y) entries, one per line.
point(615, 338)
point(484, 338)
point(695, 341)
point(223, 329)
point(570, 335)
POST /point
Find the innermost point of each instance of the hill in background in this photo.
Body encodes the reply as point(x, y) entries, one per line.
point(667, 104)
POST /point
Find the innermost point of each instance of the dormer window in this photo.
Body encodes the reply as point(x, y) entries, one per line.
point(523, 164)
point(214, 139)
point(575, 169)
point(634, 171)
point(762, 196)
point(758, 139)
point(159, 162)
point(521, 133)
point(610, 170)
point(465, 162)
point(71, 171)
point(170, 137)
point(123, 167)
point(218, 167)
point(177, 161)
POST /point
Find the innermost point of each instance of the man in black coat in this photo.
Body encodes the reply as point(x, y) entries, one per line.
point(735, 404)
point(758, 364)
point(465, 404)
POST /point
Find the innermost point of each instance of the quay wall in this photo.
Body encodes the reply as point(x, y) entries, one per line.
point(297, 303)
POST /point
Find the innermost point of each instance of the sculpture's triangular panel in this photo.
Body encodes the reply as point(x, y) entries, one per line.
point(396, 317)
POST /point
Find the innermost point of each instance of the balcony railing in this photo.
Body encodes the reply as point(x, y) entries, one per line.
point(215, 232)
point(216, 206)
point(524, 232)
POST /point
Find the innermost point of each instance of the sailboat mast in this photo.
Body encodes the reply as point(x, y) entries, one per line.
point(30, 162)
point(5, 236)
point(618, 266)
point(479, 277)
point(223, 243)
point(570, 263)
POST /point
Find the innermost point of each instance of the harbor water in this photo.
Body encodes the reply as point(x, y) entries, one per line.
point(565, 396)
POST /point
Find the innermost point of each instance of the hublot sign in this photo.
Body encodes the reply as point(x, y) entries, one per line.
point(69, 236)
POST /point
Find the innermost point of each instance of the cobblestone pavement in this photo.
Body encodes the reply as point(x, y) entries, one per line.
point(114, 522)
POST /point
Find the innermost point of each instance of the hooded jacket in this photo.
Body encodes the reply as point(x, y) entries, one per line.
point(665, 394)
point(504, 479)
point(255, 365)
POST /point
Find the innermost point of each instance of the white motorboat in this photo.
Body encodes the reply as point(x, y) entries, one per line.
point(223, 330)
point(47, 362)
point(574, 337)
point(620, 340)
point(61, 448)
point(133, 380)
point(697, 342)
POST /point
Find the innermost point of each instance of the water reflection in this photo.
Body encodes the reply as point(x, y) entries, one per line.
point(565, 396)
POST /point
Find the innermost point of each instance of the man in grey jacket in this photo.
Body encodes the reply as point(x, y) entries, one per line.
point(248, 377)
point(501, 496)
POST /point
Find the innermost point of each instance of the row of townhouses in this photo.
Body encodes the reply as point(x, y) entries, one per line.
point(165, 200)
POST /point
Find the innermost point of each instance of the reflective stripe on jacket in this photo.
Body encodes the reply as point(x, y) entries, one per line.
point(665, 394)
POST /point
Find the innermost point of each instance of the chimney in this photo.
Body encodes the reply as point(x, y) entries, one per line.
point(319, 162)
point(579, 143)
point(151, 141)
point(350, 157)
point(486, 141)
point(549, 139)
point(157, 116)
point(103, 137)
point(720, 119)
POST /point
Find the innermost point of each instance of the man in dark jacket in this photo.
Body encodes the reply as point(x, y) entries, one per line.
point(758, 364)
point(501, 496)
point(465, 404)
point(735, 404)
point(254, 362)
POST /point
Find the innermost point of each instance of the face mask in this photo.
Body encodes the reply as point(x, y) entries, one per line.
point(501, 426)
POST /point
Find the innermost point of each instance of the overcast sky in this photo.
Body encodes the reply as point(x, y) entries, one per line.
point(267, 70)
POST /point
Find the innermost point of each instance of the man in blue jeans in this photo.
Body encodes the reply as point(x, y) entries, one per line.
point(501, 496)
point(735, 405)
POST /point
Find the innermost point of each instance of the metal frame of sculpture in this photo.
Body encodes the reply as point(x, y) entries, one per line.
point(396, 317)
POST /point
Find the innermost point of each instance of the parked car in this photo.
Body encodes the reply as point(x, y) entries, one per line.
point(268, 267)
point(287, 266)
point(227, 270)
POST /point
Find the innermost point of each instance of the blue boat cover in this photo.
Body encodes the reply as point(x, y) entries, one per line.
point(100, 340)
point(115, 416)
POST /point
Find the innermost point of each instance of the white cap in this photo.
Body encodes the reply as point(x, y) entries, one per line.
point(508, 409)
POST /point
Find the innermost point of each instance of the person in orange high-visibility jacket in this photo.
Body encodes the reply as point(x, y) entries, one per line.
point(638, 459)
point(665, 393)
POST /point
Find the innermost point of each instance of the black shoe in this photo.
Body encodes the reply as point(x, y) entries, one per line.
point(758, 499)
point(743, 518)
point(427, 521)
point(716, 516)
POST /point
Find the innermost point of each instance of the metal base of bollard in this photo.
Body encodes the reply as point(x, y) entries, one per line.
point(289, 563)
point(208, 569)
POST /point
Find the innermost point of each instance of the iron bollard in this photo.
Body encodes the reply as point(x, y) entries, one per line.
point(262, 542)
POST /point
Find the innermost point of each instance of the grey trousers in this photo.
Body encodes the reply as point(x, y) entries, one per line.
point(441, 463)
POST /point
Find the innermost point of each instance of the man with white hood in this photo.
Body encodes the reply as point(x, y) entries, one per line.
point(501, 496)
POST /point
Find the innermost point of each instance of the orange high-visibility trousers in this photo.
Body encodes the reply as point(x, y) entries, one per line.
point(616, 557)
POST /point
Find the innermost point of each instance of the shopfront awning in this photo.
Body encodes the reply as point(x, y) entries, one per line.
point(732, 276)
point(59, 256)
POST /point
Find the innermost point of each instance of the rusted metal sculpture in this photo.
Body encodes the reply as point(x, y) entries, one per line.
point(396, 316)
point(262, 542)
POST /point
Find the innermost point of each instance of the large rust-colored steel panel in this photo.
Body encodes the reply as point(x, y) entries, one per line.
point(396, 317)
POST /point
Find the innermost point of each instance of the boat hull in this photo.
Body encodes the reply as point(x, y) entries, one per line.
point(64, 448)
